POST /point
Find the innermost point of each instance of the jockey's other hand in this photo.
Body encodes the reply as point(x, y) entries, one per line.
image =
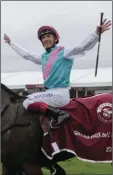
point(7, 39)
point(105, 26)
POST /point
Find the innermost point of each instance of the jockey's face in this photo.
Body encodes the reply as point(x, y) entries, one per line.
point(48, 40)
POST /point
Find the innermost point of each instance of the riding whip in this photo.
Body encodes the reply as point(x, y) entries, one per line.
point(101, 21)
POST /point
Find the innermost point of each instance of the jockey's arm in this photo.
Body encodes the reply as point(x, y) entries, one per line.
point(81, 49)
point(25, 54)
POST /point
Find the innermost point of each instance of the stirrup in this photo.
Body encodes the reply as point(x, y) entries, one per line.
point(54, 124)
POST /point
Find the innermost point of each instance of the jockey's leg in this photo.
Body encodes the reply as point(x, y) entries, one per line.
point(48, 102)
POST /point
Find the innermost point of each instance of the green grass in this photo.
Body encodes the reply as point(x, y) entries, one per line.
point(75, 166)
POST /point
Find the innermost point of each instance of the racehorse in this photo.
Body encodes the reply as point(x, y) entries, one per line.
point(30, 141)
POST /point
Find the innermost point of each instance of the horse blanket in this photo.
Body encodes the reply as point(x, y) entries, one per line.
point(86, 135)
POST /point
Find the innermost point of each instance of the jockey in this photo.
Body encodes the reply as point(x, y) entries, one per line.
point(56, 64)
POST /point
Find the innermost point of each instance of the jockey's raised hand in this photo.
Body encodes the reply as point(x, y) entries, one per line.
point(22, 52)
point(7, 39)
point(105, 26)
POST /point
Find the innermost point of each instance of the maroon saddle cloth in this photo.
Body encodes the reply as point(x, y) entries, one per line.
point(86, 135)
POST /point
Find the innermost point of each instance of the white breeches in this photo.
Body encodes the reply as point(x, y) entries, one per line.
point(57, 97)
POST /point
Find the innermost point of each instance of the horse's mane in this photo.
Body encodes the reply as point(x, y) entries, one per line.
point(10, 92)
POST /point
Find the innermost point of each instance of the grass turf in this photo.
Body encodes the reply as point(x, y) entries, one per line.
point(75, 166)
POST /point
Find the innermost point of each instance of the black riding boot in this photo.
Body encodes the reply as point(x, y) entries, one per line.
point(56, 114)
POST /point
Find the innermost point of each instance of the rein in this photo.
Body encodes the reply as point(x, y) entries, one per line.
point(3, 110)
point(16, 125)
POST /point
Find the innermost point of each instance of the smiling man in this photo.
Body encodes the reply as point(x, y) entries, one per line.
point(56, 64)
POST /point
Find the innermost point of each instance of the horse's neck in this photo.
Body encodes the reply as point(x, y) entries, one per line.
point(7, 95)
point(9, 92)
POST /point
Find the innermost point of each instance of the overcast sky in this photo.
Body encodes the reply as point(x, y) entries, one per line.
point(74, 20)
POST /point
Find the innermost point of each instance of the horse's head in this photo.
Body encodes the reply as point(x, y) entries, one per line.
point(21, 130)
